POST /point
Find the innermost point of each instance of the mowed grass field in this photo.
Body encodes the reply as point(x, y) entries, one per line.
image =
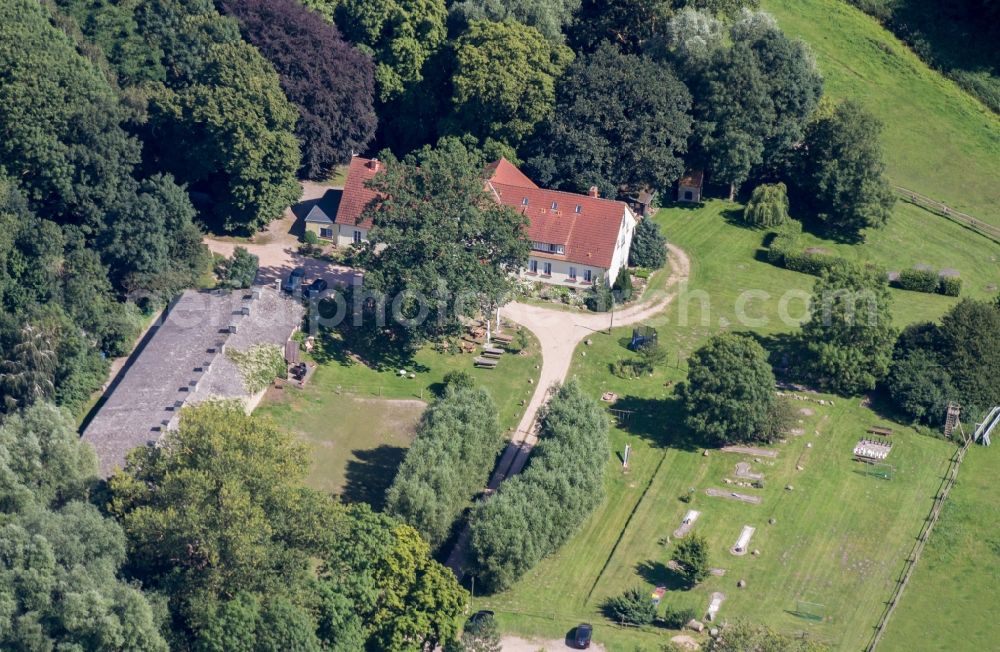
point(950, 602)
point(359, 421)
point(938, 140)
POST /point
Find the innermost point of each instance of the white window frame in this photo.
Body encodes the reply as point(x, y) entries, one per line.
point(587, 276)
point(572, 273)
point(357, 236)
point(547, 269)
point(533, 266)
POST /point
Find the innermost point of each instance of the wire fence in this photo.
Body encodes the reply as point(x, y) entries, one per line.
point(940, 208)
point(950, 476)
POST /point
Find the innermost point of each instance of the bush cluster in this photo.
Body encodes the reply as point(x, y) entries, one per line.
point(927, 280)
point(535, 512)
point(633, 607)
point(677, 618)
point(449, 462)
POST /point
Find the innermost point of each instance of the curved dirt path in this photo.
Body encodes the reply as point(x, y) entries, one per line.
point(559, 332)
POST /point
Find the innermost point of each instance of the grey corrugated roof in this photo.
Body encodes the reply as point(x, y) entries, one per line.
point(183, 362)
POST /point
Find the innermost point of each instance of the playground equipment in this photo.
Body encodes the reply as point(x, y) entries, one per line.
point(983, 430)
point(641, 336)
point(810, 611)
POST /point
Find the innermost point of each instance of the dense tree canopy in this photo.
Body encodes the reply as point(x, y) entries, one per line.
point(536, 511)
point(740, 636)
point(449, 462)
point(230, 135)
point(621, 123)
point(729, 394)
point(438, 211)
point(849, 335)
point(401, 35)
point(839, 172)
point(691, 556)
point(217, 518)
point(504, 81)
point(330, 83)
point(547, 16)
point(59, 557)
point(752, 98)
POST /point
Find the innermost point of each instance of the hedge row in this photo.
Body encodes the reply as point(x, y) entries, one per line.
point(786, 252)
point(927, 280)
point(449, 462)
point(536, 512)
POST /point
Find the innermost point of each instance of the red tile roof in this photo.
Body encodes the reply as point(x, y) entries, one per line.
point(589, 236)
point(356, 196)
point(692, 179)
point(503, 171)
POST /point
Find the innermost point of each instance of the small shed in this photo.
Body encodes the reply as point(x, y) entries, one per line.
point(641, 202)
point(689, 186)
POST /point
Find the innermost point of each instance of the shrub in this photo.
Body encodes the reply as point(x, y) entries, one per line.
point(918, 280)
point(535, 512)
point(768, 205)
point(649, 247)
point(809, 263)
point(628, 368)
point(599, 298)
point(691, 556)
point(653, 354)
point(633, 607)
point(449, 462)
point(622, 289)
point(459, 379)
point(238, 271)
point(641, 272)
point(259, 365)
point(677, 618)
point(310, 238)
point(950, 286)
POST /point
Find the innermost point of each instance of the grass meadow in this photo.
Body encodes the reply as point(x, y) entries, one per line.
point(938, 140)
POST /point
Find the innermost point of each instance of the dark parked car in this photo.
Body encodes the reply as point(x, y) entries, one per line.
point(315, 289)
point(583, 633)
point(294, 280)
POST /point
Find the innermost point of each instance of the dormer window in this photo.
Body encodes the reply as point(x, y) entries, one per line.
point(579, 208)
point(524, 202)
point(554, 206)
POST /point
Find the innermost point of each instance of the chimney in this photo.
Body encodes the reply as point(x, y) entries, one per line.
point(373, 164)
point(593, 192)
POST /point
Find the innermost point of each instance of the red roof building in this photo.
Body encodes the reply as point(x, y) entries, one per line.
point(576, 239)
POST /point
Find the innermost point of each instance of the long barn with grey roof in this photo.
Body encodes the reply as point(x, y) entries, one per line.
point(183, 361)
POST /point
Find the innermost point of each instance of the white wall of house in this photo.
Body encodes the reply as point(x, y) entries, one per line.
point(623, 245)
point(345, 234)
point(562, 272)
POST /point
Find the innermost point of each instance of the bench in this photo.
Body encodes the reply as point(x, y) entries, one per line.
point(879, 430)
point(488, 363)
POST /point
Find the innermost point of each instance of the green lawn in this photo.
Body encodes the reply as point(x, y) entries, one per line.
point(358, 420)
point(951, 598)
point(938, 140)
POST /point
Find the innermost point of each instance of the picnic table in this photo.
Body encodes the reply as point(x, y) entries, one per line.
point(492, 352)
point(880, 430)
point(488, 363)
point(503, 339)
